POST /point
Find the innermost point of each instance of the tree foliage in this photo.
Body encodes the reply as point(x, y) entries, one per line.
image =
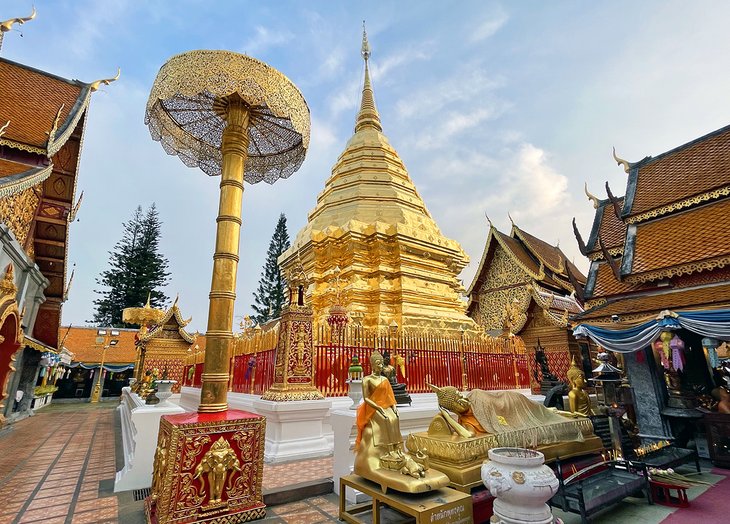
point(271, 294)
point(136, 269)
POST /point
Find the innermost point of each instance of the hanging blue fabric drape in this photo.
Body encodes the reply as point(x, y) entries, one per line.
point(710, 323)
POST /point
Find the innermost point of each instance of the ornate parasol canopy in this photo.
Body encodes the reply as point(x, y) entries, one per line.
point(187, 107)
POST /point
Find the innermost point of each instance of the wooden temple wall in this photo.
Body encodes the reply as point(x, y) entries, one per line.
point(467, 362)
point(558, 342)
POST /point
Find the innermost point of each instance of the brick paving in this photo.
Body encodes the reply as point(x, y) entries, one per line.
point(58, 467)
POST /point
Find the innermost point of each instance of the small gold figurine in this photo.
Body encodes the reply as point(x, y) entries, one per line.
point(219, 459)
point(579, 400)
point(159, 466)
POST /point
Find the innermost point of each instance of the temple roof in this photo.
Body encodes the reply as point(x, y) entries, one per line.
point(684, 176)
point(552, 256)
point(532, 255)
point(682, 243)
point(81, 341)
point(602, 282)
point(16, 176)
point(31, 100)
point(174, 317)
point(651, 303)
point(611, 230)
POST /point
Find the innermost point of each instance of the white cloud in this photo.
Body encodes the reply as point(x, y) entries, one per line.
point(489, 27)
point(265, 38)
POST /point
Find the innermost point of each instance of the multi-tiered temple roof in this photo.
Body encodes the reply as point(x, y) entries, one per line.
point(42, 118)
point(370, 221)
point(665, 243)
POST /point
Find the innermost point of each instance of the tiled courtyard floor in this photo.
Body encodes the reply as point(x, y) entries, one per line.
point(58, 468)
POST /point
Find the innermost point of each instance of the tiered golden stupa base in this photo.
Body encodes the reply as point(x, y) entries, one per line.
point(461, 458)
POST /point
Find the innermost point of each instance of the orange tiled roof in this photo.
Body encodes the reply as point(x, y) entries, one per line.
point(611, 230)
point(551, 256)
point(30, 99)
point(691, 169)
point(692, 298)
point(674, 241)
point(606, 283)
point(81, 341)
point(10, 168)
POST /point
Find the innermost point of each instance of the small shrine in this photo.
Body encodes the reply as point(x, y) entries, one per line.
point(162, 341)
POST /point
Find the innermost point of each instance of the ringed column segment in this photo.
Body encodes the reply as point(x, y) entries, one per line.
point(219, 335)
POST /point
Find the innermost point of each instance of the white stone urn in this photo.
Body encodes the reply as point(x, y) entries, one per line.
point(354, 391)
point(164, 391)
point(521, 483)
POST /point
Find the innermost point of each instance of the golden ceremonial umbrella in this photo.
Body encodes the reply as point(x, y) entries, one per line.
point(234, 116)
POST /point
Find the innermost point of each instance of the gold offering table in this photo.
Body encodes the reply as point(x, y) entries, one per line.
point(441, 506)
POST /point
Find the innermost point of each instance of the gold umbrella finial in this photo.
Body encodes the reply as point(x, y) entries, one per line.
point(94, 86)
point(592, 198)
point(365, 50)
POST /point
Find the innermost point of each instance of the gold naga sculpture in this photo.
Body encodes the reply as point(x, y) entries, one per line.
point(579, 400)
point(466, 428)
point(380, 456)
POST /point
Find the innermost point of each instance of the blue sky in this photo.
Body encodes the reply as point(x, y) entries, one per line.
point(494, 107)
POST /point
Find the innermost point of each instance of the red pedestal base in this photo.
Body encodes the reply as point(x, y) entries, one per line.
point(208, 468)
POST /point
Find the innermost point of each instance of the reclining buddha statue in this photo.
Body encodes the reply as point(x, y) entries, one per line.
point(380, 456)
point(466, 427)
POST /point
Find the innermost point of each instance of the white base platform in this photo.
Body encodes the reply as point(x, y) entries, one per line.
point(140, 425)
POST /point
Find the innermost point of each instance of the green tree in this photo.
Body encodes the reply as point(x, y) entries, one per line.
point(271, 295)
point(136, 269)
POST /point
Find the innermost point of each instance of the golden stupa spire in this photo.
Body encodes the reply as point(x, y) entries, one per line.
point(368, 115)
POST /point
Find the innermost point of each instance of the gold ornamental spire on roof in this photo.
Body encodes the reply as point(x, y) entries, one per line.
point(368, 115)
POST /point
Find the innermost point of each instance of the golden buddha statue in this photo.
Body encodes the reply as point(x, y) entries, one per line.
point(380, 457)
point(580, 402)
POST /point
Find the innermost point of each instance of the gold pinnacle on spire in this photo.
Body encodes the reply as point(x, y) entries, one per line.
point(368, 115)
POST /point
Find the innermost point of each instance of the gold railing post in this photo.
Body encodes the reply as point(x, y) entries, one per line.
point(219, 335)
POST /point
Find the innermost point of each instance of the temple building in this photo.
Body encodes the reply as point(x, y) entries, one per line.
point(42, 119)
point(371, 242)
point(659, 283)
point(525, 286)
point(88, 353)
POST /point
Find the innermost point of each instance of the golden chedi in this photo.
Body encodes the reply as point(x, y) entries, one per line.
point(579, 400)
point(458, 444)
point(369, 220)
point(380, 456)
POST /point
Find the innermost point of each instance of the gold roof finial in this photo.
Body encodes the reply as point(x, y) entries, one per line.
point(7, 25)
point(510, 218)
point(488, 220)
point(106, 81)
point(621, 162)
point(592, 198)
point(4, 127)
point(368, 115)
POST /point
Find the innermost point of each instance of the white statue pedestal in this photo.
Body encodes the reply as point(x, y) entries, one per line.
point(140, 425)
point(294, 430)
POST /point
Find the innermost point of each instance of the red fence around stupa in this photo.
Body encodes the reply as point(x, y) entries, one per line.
point(467, 362)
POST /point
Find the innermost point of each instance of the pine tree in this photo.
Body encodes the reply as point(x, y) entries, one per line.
point(270, 297)
point(136, 269)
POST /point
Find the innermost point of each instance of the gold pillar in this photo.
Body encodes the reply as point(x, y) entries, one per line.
point(219, 335)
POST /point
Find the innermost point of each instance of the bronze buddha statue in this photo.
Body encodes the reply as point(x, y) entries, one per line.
point(579, 400)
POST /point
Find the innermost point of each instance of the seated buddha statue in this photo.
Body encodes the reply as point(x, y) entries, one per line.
point(580, 402)
point(379, 452)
